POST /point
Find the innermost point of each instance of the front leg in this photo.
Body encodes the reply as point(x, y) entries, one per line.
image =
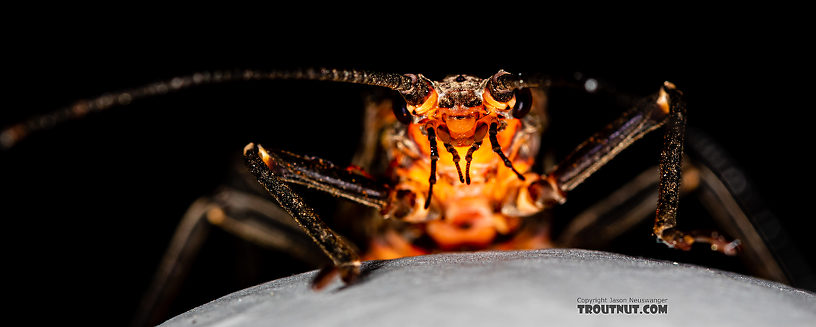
point(671, 157)
point(273, 169)
point(666, 108)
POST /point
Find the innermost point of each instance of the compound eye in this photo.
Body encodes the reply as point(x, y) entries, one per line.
point(401, 110)
point(524, 101)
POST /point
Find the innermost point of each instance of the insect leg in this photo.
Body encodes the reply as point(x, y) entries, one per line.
point(242, 214)
point(667, 108)
point(186, 242)
point(629, 205)
point(323, 175)
point(665, 226)
point(731, 199)
point(272, 169)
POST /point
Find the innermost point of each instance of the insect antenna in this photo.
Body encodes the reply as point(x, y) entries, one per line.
point(502, 84)
point(409, 85)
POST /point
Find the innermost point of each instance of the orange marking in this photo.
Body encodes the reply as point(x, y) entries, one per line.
point(426, 106)
point(663, 98)
point(267, 159)
point(493, 103)
point(358, 170)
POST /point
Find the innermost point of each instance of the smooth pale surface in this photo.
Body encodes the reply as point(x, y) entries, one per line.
point(520, 288)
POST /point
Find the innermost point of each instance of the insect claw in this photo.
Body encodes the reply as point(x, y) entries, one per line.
point(545, 193)
point(733, 248)
point(324, 277)
point(349, 272)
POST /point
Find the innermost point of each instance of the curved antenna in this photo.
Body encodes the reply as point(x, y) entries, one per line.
point(502, 84)
point(408, 85)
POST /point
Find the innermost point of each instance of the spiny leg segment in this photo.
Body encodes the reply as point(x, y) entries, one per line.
point(668, 108)
point(671, 157)
point(273, 170)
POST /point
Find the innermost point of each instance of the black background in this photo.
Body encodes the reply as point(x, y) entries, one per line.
point(90, 206)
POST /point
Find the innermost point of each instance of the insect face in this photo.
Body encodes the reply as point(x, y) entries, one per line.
point(460, 111)
point(459, 107)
